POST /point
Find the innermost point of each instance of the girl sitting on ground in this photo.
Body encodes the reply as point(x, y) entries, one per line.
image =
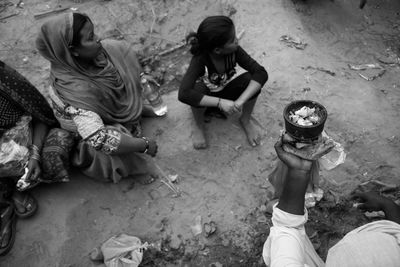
point(209, 80)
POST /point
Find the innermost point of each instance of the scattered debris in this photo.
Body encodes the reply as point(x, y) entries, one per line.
point(163, 53)
point(374, 214)
point(197, 227)
point(240, 34)
point(365, 66)
point(52, 12)
point(371, 77)
point(306, 89)
point(173, 178)
point(20, 4)
point(9, 16)
point(210, 228)
point(389, 58)
point(320, 69)
point(215, 264)
point(293, 42)
point(168, 182)
point(312, 198)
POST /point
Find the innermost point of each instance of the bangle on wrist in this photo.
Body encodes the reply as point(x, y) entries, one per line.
point(147, 144)
point(35, 152)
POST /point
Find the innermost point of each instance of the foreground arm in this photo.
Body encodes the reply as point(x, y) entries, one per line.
point(109, 139)
point(374, 202)
point(288, 244)
point(294, 189)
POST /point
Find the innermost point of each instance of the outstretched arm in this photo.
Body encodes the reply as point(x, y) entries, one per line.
point(294, 188)
point(373, 202)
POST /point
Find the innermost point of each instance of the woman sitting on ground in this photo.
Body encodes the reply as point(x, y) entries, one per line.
point(96, 92)
point(26, 144)
point(209, 80)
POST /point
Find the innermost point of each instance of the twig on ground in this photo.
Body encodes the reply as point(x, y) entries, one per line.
point(165, 52)
point(9, 16)
point(168, 182)
point(320, 69)
point(51, 12)
point(157, 37)
point(154, 19)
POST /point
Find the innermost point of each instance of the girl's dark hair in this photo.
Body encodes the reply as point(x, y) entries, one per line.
point(214, 31)
point(78, 22)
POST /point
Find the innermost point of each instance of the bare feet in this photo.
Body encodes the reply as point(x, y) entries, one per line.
point(199, 138)
point(253, 136)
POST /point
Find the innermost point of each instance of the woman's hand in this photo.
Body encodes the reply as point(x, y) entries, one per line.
point(227, 106)
point(153, 148)
point(34, 170)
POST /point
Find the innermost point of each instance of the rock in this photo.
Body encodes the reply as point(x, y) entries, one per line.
point(263, 208)
point(225, 242)
point(262, 219)
point(215, 264)
point(175, 243)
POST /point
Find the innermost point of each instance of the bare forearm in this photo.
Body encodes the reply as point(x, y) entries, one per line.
point(40, 131)
point(209, 101)
point(294, 189)
point(251, 89)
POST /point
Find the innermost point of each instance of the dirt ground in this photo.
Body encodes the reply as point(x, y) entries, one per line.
point(227, 182)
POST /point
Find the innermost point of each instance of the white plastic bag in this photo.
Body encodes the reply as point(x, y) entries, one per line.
point(334, 158)
point(123, 251)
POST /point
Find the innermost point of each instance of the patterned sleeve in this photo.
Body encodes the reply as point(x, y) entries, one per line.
point(91, 128)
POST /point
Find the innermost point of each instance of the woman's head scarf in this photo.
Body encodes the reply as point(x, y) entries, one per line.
point(114, 92)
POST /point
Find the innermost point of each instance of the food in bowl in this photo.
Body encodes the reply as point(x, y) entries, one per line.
point(305, 116)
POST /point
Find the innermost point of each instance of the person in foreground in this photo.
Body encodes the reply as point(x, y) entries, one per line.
point(374, 244)
point(26, 144)
point(209, 80)
point(96, 93)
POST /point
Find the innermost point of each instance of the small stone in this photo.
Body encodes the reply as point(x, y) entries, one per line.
point(263, 208)
point(216, 264)
point(175, 243)
point(225, 242)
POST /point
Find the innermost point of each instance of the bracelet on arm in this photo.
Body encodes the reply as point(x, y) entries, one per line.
point(219, 103)
point(147, 144)
point(35, 152)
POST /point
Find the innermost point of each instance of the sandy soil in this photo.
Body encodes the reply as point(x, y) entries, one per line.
point(227, 182)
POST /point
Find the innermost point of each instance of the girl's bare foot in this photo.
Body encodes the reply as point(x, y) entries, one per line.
point(253, 136)
point(199, 138)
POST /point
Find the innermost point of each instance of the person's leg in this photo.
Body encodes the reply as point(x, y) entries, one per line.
point(198, 131)
point(198, 134)
point(233, 91)
point(253, 135)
